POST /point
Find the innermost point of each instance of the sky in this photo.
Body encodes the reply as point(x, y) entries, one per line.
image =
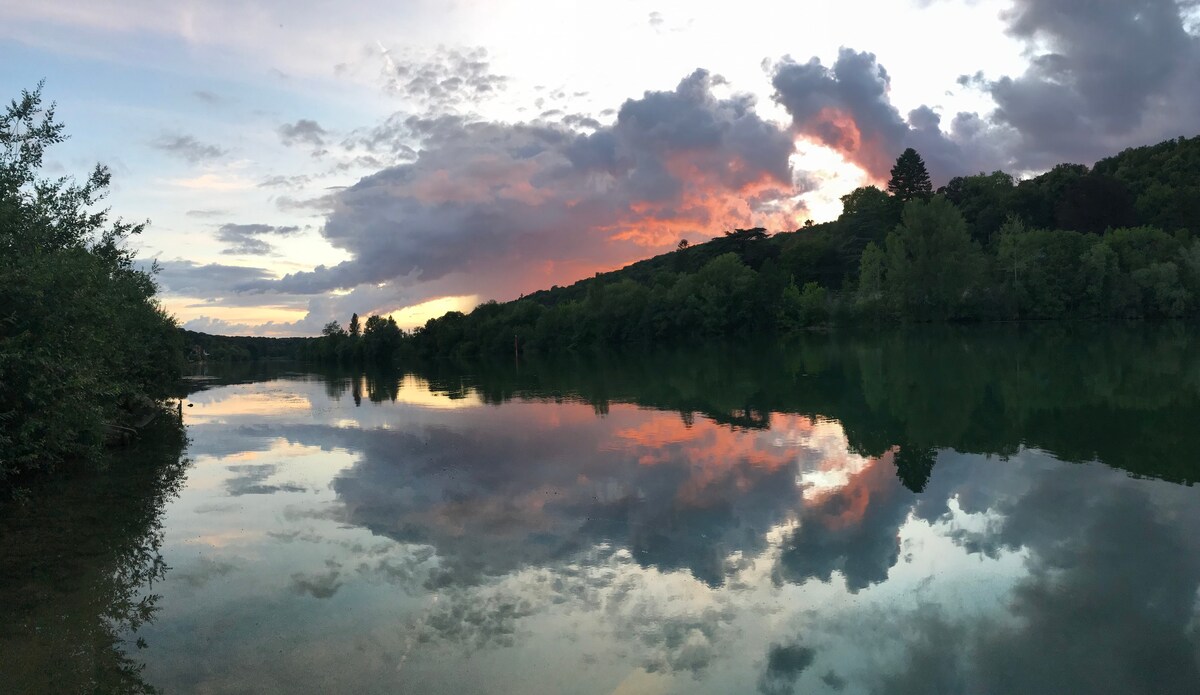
point(300, 161)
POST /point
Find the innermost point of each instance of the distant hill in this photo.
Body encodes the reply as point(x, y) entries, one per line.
point(1115, 240)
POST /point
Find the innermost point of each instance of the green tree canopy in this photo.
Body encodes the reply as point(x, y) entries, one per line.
point(932, 262)
point(84, 346)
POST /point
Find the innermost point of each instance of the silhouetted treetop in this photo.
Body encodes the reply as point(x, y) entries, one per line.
point(753, 233)
point(910, 179)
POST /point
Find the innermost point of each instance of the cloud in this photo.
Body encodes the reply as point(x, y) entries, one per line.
point(246, 239)
point(678, 498)
point(303, 132)
point(207, 96)
point(280, 181)
point(847, 107)
point(318, 585)
point(498, 209)
point(1107, 558)
point(251, 479)
point(205, 570)
point(475, 620)
point(205, 213)
point(364, 300)
point(853, 530)
point(192, 279)
point(785, 663)
point(672, 642)
point(447, 79)
point(315, 205)
point(187, 148)
point(1102, 76)
point(660, 25)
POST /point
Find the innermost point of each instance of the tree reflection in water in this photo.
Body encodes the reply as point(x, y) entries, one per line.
point(78, 564)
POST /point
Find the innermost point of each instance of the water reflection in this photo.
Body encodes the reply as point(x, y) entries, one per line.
point(80, 566)
point(976, 511)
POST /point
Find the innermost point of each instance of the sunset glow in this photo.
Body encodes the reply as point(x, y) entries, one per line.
point(412, 160)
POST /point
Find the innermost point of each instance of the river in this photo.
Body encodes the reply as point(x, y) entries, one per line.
point(984, 510)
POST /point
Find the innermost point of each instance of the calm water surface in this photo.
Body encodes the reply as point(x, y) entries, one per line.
point(988, 511)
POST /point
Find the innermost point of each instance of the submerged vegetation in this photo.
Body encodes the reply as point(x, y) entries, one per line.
point(85, 350)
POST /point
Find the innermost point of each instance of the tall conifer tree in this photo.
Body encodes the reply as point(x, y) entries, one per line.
point(909, 178)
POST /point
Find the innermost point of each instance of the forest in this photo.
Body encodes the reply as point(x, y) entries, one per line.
point(1115, 241)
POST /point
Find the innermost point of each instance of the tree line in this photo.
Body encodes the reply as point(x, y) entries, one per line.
point(1114, 241)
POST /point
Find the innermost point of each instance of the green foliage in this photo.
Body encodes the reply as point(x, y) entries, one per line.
point(224, 348)
point(871, 300)
point(1164, 180)
point(802, 308)
point(985, 201)
point(1137, 272)
point(1041, 270)
point(83, 343)
point(380, 340)
point(932, 264)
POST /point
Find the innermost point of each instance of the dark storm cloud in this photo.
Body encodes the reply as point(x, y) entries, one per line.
point(247, 239)
point(483, 196)
point(187, 148)
point(1104, 76)
point(303, 132)
point(847, 107)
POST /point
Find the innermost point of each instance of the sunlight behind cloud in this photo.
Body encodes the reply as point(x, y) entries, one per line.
point(188, 308)
point(214, 182)
point(416, 315)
